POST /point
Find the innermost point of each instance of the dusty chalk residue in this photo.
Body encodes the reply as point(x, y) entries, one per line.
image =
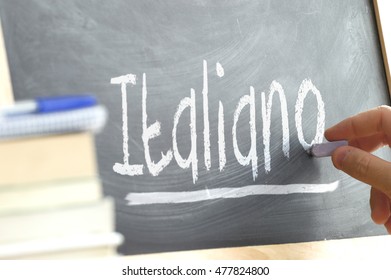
point(219, 70)
point(305, 87)
point(125, 168)
point(220, 193)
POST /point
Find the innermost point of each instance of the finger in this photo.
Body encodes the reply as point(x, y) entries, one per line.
point(380, 207)
point(364, 124)
point(364, 167)
point(369, 143)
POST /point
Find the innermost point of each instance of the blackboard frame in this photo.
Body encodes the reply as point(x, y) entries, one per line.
point(378, 5)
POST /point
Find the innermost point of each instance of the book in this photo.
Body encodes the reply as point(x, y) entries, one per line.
point(51, 199)
point(96, 217)
point(77, 246)
point(48, 195)
point(47, 158)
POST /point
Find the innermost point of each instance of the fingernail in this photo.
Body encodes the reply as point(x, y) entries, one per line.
point(340, 156)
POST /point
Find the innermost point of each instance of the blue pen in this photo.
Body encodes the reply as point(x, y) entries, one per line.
point(48, 105)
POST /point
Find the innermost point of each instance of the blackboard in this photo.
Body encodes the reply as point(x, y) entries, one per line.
point(198, 77)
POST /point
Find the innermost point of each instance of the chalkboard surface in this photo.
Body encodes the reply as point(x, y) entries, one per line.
point(212, 105)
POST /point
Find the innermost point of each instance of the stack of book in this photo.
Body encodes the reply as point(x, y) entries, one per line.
point(51, 199)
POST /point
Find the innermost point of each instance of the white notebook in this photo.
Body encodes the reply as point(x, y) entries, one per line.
point(86, 119)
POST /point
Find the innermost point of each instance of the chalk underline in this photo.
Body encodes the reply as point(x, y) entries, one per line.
point(218, 193)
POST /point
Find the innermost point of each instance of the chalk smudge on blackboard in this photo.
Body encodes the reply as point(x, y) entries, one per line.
point(224, 193)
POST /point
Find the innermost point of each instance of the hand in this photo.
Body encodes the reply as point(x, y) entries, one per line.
point(366, 132)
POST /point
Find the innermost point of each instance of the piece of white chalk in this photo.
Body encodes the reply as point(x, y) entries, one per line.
point(326, 149)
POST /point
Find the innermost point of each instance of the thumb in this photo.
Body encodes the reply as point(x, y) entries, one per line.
point(364, 167)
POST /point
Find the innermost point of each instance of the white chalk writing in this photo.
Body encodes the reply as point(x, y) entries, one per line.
point(251, 157)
